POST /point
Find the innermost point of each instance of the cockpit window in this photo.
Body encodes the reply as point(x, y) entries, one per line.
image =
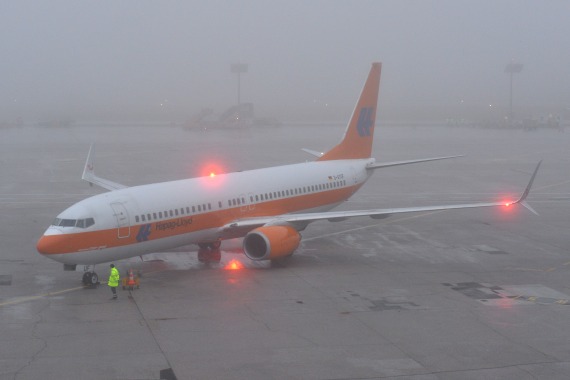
point(80, 223)
point(68, 222)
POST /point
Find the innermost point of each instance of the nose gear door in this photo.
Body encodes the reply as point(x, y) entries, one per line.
point(123, 222)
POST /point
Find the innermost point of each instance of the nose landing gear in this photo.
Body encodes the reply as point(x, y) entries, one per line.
point(90, 278)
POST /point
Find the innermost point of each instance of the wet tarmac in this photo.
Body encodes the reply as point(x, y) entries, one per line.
point(464, 294)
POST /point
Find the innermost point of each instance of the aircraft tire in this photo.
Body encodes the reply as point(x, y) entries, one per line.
point(90, 278)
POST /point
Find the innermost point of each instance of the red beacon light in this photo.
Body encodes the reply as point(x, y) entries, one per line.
point(234, 265)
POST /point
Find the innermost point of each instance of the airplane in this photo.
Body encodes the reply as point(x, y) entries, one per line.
point(267, 207)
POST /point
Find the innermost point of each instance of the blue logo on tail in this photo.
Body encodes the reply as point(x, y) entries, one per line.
point(365, 122)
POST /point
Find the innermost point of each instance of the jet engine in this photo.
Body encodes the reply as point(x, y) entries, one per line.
point(271, 242)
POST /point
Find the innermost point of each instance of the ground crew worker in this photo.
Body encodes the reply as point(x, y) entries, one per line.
point(113, 280)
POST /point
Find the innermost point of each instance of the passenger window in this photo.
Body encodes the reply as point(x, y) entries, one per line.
point(171, 213)
point(143, 218)
point(159, 215)
point(154, 215)
point(137, 218)
point(199, 208)
point(193, 209)
point(149, 218)
point(176, 212)
point(209, 206)
point(188, 209)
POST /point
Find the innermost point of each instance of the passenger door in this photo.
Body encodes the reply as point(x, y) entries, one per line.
point(123, 222)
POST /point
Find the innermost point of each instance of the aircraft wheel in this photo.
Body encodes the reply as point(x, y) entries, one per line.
point(209, 256)
point(90, 278)
point(202, 255)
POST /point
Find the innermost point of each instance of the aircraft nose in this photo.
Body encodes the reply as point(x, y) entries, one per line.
point(44, 245)
point(50, 244)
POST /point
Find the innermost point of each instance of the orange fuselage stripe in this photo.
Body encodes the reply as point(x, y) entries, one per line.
point(109, 238)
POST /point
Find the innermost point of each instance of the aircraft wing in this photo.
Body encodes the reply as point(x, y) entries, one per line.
point(333, 216)
point(89, 175)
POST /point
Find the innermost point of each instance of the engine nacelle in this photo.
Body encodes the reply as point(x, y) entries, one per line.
point(271, 242)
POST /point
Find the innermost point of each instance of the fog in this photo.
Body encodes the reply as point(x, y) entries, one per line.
point(164, 61)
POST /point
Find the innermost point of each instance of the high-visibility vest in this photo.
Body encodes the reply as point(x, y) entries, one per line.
point(114, 278)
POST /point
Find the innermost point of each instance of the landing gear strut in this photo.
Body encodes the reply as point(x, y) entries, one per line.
point(213, 246)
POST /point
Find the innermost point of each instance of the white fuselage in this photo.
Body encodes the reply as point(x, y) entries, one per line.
point(157, 217)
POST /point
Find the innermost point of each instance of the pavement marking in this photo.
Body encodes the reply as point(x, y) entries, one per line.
point(40, 296)
point(553, 185)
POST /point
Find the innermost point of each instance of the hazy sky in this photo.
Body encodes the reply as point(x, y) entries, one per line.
point(101, 58)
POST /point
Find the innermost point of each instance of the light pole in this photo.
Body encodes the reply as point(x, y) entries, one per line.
point(239, 68)
point(512, 68)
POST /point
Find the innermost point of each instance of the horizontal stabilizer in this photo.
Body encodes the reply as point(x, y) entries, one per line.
point(407, 162)
point(313, 152)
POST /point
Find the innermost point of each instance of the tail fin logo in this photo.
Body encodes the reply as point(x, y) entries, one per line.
point(365, 121)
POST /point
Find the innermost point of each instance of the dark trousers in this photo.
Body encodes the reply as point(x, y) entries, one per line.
point(114, 290)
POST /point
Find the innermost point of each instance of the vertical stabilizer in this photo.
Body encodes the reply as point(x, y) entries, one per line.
point(358, 137)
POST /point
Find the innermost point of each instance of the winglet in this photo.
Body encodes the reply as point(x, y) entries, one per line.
point(88, 170)
point(89, 174)
point(521, 200)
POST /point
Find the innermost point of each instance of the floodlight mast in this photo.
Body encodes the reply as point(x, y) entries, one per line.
point(239, 68)
point(512, 68)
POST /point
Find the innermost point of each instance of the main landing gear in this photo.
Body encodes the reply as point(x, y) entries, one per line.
point(210, 252)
